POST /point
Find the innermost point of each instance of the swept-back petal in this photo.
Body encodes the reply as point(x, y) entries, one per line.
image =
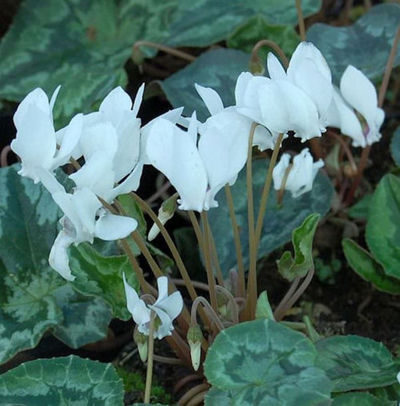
point(136, 306)
point(172, 305)
point(115, 104)
point(279, 171)
point(275, 69)
point(211, 99)
point(223, 149)
point(36, 97)
point(173, 152)
point(58, 258)
point(110, 227)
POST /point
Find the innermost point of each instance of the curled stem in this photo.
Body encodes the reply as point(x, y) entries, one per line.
point(201, 388)
point(3, 156)
point(211, 312)
point(273, 45)
point(236, 237)
point(232, 303)
point(164, 48)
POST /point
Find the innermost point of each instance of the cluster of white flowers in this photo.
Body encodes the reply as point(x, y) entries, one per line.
point(197, 158)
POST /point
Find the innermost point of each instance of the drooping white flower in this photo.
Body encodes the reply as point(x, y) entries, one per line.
point(279, 105)
point(199, 168)
point(84, 218)
point(36, 140)
point(110, 144)
point(167, 308)
point(358, 91)
point(309, 71)
point(301, 175)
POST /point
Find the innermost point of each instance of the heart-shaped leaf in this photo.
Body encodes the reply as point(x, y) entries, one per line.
point(34, 297)
point(82, 45)
point(62, 381)
point(264, 363)
point(355, 363)
point(357, 399)
point(366, 44)
point(206, 22)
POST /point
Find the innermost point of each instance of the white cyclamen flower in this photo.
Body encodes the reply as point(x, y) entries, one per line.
point(36, 140)
point(309, 71)
point(110, 144)
point(358, 93)
point(167, 308)
point(84, 219)
point(199, 168)
point(279, 105)
point(301, 175)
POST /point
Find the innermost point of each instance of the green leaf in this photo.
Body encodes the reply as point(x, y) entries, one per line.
point(218, 397)
point(264, 363)
point(383, 225)
point(302, 240)
point(263, 307)
point(217, 68)
point(62, 381)
point(355, 363)
point(34, 297)
point(80, 44)
point(101, 276)
point(279, 220)
point(79, 312)
point(360, 209)
point(363, 263)
point(257, 28)
point(358, 399)
point(365, 44)
point(206, 22)
point(395, 146)
point(132, 209)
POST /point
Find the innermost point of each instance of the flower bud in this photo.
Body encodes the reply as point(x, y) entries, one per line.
point(165, 213)
point(141, 342)
point(194, 337)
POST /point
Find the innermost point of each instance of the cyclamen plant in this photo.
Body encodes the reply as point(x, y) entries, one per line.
point(109, 148)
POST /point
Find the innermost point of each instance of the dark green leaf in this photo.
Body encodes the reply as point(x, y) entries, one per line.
point(362, 262)
point(395, 146)
point(258, 28)
point(206, 22)
point(360, 209)
point(218, 397)
point(365, 44)
point(302, 240)
point(79, 312)
point(264, 363)
point(34, 297)
point(102, 276)
point(217, 68)
point(80, 44)
point(279, 220)
point(383, 225)
point(355, 363)
point(358, 399)
point(62, 381)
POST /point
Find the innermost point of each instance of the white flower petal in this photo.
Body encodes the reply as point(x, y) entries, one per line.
point(115, 104)
point(138, 309)
point(173, 152)
point(130, 184)
point(223, 149)
point(275, 69)
point(54, 98)
point(172, 305)
point(279, 171)
point(58, 258)
point(138, 100)
point(162, 285)
point(111, 227)
point(36, 97)
point(210, 98)
point(166, 327)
